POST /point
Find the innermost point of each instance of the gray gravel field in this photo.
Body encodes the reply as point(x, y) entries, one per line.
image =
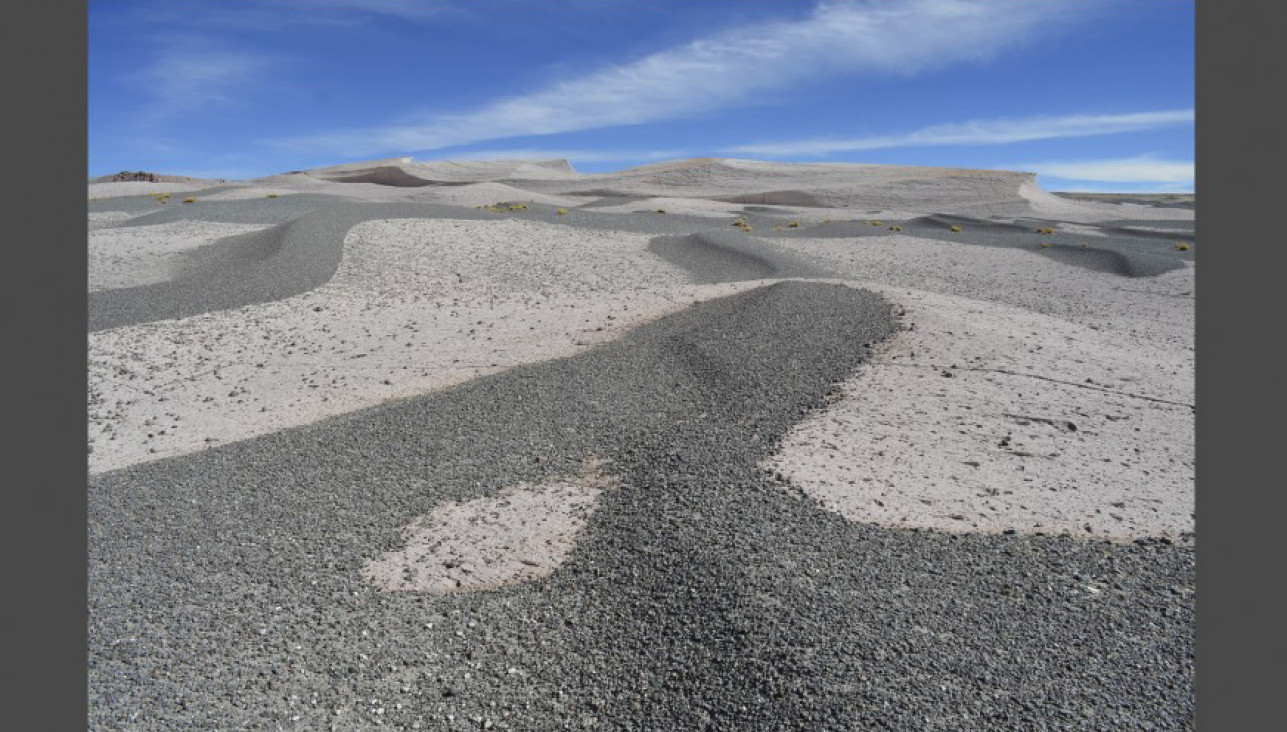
point(1120, 251)
point(225, 592)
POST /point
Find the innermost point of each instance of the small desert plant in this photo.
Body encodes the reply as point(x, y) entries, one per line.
point(876, 222)
point(956, 229)
point(271, 195)
point(1084, 245)
point(562, 212)
point(779, 228)
point(895, 228)
point(1045, 231)
point(504, 207)
point(661, 210)
point(189, 200)
point(1183, 246)
point(1045, 245)
point(794, 224)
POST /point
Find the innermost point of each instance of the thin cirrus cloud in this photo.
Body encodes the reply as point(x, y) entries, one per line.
point(191, 75)
point(726, 69)
point(258, 15)
point(1140, 169)
point(978, 132)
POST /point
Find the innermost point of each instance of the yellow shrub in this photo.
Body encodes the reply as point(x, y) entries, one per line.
point(1183, 246)
point(794, 224)
point(895, 228)
point(189, 200)
point(561, 211)
point(956, 229)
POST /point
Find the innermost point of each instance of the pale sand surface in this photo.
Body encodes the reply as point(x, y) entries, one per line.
point(141, 255)
point(1025, 333)
point(522, 533)
point(988, 417)
point(416, 305)
point(105, 220)
point(143, 188)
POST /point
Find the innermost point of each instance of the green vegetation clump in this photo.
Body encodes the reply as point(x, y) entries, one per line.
point(1045, 231)
point(1183, 246)
point(271, 195)
point(189, 200)
point(876, 222)
point(895, 228)
point(956, 229)
point(505, 207)
point(741, 223)
point(562, 212)
point(794, 224)
point(661, 210)
point(1045, 245)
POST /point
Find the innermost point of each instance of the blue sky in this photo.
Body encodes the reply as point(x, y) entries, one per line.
point(1093, 95)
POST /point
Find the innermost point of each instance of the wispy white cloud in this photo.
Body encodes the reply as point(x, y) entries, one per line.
point(978, 132)
point(272, 15)
point(739, 66)
point(1140, 169)
point(194, 74)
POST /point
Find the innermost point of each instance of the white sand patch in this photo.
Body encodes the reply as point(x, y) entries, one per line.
point(1156, 310)
point(416, 305)
point(142, 188)
point(1048, 205)
point(141, 255)
point(523, 533)
point(987, 417)
point(1080, 229)
point(107, 219)
point(685, 206)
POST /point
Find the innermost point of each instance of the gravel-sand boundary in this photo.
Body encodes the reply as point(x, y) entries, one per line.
point(393, 463)
point(226, 586)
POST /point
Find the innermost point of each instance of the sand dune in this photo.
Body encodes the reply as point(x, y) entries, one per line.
point(367, 445)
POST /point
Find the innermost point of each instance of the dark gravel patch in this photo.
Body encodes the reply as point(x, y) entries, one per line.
point(224, 590)
point(607, 201)
point(1142, 254)
point(730, 256)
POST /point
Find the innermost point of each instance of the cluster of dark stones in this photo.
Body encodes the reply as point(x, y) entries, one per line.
point(137, 175)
